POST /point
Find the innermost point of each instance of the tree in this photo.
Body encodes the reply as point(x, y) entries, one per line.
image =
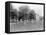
point(32, 15)
point(13, 14)
point(24, 9)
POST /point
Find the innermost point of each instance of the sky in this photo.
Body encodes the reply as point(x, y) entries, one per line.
point(37, 8)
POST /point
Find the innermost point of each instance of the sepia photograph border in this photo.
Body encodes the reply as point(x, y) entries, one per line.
point(7, 15)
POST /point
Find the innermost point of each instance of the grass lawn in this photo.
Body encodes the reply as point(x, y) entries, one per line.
point(26, 26)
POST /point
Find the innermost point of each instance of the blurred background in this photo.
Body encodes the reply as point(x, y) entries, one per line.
point(26, 17)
